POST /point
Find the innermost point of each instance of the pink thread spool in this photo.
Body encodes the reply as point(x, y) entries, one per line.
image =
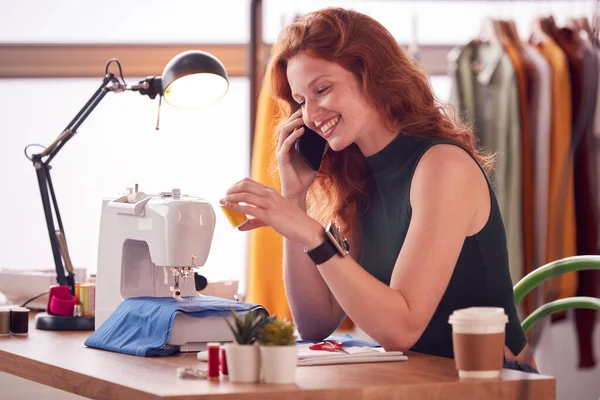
point(60, 301)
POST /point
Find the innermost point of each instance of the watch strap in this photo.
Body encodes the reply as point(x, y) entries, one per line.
point(322, 252)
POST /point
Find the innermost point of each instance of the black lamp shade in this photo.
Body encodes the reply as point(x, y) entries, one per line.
point(194, 79)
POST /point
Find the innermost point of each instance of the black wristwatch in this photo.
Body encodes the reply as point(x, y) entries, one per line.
point(335, 243)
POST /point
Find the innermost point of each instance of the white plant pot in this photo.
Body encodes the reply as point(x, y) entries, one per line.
point(243, 362)
point(279, 363)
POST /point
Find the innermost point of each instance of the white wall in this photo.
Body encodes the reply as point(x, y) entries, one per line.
point(557, 354)
point(200, 151)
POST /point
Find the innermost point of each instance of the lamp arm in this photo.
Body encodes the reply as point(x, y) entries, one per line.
point(41, 162)
point(81, 116)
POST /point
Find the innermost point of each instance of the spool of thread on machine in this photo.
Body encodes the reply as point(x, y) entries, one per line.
point(214, 350)
point(4, 322)
point(133, 197)
point(19, 321)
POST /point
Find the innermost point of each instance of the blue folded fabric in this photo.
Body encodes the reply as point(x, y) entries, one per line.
point(141, 326)
point(347, 341)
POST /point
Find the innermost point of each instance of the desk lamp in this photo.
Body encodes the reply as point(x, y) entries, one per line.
point(190, 79)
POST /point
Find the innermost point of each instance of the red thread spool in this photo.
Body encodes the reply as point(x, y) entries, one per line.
point(213, 361)
point(224, 370)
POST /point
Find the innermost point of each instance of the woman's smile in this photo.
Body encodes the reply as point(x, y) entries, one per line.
point(328, 127)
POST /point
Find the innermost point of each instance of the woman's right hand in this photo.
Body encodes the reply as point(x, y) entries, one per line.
point(295, 174)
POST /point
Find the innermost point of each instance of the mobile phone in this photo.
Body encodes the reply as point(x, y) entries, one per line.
point(311, 146)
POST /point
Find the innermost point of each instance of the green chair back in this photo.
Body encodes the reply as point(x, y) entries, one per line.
point(550, 270)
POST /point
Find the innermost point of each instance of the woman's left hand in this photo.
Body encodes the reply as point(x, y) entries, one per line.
point(268, 207)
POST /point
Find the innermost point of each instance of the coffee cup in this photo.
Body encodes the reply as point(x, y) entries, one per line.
point(478, 340)
point(236, 219)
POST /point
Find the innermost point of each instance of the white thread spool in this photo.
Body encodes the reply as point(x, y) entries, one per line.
point(134, 197)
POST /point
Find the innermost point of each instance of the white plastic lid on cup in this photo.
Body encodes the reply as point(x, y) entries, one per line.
point(478, 320)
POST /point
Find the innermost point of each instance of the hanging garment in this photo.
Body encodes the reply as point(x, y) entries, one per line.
point(540, 101)
point(583, 94)
point(540, 117)
point(565, 38)
point(490, 100)
point(586, 78)
point(594, 279)
point(596, 147)
point(521, 72)
point(585, 319)
point(561, 239)
point(592, 58)
point(462, 94)
point(265, 247)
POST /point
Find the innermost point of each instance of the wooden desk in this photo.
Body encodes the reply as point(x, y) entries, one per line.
point(60, 360)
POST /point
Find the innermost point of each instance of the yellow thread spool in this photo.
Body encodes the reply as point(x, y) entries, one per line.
point(87, 298)
point(5, 322)
point(236, 219)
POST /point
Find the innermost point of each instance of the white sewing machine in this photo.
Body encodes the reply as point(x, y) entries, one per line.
point(149, 245)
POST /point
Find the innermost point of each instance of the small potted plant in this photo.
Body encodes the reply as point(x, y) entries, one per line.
point(243, 356)
point(278, 351)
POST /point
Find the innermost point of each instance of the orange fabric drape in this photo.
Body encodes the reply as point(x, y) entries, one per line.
point(265, 251)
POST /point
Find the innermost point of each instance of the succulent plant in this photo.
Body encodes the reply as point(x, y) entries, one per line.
point(276, 332)
point(246, 329)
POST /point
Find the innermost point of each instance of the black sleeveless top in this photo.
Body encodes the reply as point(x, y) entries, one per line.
point(481, 275)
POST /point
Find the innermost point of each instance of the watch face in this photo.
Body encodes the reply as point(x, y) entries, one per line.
point(336, 237)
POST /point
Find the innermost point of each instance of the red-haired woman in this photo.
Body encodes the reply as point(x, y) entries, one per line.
point(401, 177)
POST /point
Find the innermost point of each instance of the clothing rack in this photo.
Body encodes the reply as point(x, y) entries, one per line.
point(433, 57)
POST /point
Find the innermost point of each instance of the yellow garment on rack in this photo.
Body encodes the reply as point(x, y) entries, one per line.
point(561, 233)
point(265, 251)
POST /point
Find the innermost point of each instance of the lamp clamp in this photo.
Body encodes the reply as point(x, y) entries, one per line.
point(151, 86)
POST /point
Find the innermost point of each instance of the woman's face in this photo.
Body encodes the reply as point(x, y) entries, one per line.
point(331, 99)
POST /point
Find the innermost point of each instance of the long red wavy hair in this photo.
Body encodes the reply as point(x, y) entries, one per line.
point(392, 81)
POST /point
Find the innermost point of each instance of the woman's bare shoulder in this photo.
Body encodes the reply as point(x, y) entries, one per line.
point(447, 173)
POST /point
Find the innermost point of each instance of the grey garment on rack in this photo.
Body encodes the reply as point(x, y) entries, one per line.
point(462, 94)
point(540, 115)
point(487, 85)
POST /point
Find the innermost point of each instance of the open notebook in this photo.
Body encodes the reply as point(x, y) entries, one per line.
point(353, 352)
point(348, 355)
